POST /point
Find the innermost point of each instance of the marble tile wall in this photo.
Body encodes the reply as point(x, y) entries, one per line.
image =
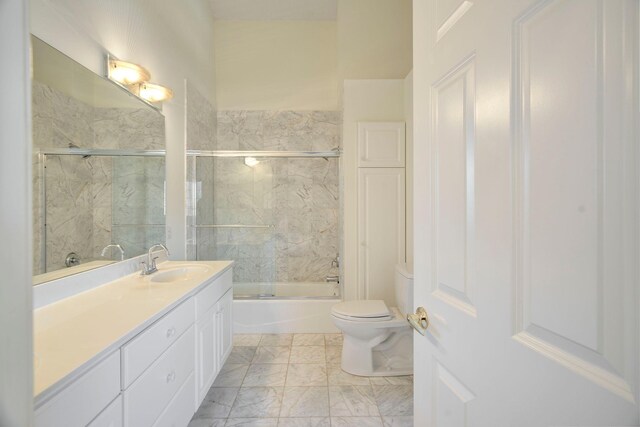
point(102, 196)
point(202, 121)
point(279, 130)
point(57, 121)
point(69, 216)
point(140, 129)
point(297, 198)
point(80, 193)
point(138, 212)
point(201, 135)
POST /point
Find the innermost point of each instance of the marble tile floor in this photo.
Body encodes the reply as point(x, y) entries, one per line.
point(295, 380)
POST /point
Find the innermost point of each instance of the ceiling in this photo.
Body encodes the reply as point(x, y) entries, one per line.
point(274, 10)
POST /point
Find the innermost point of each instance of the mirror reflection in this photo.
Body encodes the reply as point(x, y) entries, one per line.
point(98, 174)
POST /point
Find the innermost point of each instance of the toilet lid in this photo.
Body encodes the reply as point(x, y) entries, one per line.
point(366, 309)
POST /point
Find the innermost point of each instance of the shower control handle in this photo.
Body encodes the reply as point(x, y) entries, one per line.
point(72, 259)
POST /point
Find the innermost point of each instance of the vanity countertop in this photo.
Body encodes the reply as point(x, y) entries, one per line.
point(72, 334)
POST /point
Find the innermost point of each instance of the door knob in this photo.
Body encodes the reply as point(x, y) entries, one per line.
point(419, 321)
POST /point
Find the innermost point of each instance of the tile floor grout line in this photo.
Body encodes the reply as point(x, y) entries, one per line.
point(286, 377)
point(239, 388)
point(279, 418)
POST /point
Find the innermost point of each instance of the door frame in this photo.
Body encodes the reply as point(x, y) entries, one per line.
point(16, 351)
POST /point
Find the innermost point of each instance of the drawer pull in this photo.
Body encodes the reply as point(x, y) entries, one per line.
point(171, 377)
point(171, 332)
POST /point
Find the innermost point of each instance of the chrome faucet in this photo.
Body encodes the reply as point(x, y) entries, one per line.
point(113, 245)
point(149, 267)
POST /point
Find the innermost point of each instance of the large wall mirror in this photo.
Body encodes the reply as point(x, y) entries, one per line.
point(98, 172)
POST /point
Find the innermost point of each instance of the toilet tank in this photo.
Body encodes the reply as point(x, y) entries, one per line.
point(404, 289)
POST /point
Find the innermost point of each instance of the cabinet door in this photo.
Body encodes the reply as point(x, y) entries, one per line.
point(206, 351)
point(225, 326)
point(381, 231)
point(381, 145)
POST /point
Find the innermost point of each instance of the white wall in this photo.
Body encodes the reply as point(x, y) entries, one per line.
point(374, 39)
point(408, 117)
point(276, 65)
point(363, 100)
point(16, 348)
point(174, 40)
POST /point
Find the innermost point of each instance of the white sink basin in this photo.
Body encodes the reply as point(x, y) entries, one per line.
point(178, 274)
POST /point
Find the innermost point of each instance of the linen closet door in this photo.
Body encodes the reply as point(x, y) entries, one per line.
point(526, 212)
point(381, 231)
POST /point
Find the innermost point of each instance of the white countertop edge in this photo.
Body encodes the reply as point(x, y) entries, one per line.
point(44, 396)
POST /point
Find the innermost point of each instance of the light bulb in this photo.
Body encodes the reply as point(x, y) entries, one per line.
point(127, 73)
point(155, 93)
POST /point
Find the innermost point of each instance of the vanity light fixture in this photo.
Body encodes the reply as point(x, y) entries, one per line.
point(251, 161)
point(127, 73)
point(154, 92)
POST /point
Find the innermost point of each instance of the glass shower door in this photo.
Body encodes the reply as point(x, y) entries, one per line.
point(276, 216)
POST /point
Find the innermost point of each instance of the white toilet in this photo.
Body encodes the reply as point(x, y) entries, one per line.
point(378, 341)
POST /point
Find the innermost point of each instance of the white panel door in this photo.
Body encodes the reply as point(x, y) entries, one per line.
point(381, 231)
point(526, 212)
point(224, 325)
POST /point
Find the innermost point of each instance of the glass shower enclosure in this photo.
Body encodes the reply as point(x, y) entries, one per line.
point(93, 207)
point(275, 213)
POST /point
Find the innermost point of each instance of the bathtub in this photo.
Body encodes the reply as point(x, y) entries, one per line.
point(284, 307)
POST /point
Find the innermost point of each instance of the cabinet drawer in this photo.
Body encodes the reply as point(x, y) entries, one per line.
point(110, 417)
point(79, 403)
point(140, 352)
point(179, 411)
point(148, 396)
point(207, 297)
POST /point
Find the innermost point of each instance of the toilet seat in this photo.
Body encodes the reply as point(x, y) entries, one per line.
point(362, 319)
point(395, 320)
point(362, 310)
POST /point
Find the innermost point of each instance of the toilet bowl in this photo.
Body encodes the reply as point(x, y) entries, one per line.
point(378, 340)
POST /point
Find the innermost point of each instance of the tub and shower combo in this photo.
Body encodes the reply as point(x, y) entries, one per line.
point(276, 213)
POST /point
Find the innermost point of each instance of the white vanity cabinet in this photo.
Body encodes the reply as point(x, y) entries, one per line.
point(80, 402)
point(213, 332)
point(147, 397)
point(225, 326)
point(154, 378)
point(110, 417)
point(206, 363)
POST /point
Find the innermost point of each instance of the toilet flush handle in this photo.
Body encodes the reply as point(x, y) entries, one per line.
point(419, 321)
